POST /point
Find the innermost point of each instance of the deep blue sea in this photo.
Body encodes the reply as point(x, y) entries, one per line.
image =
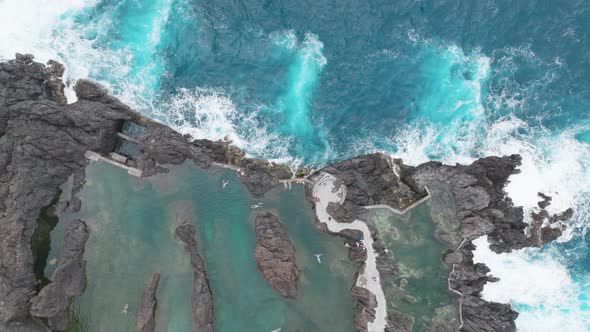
point(309, 82)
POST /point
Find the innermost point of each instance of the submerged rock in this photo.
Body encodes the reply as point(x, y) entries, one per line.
point(275, 255)
point(201, 299)
point(69, 278)
point(146, 316)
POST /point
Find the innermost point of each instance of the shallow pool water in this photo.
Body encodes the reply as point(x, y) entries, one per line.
point(132, 224)
point(420, 287)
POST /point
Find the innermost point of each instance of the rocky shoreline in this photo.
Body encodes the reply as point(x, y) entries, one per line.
point(44, 141)
point(68, 280)
point(482, 209)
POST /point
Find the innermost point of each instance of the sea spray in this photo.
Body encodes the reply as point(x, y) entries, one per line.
point(211, 114)
point(35, 32)
point(538, 285)
point(449, 96)
point(27, 26)
point(118, 44)
point(302, 78)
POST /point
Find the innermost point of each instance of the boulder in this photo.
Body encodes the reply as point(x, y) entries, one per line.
point(275, 255)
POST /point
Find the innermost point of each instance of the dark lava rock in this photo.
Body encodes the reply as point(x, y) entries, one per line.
point(546, 227)
point(483, 209)
point(146, 316)
point(370, 180)
point(483, 316)
point(43, 143)
point(478, 190)
point(260, 176)
point(545, 202)
point(69, 278)
point(202, 300)
point(364, 311)
point(275, 255)
point(399, 322)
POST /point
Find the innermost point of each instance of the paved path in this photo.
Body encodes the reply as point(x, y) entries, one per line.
point(369, 278)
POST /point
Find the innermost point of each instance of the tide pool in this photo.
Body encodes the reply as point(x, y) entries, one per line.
point(420, 287)
point(132, 224)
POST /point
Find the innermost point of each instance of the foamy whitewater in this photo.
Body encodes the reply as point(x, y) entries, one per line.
point(318, 83)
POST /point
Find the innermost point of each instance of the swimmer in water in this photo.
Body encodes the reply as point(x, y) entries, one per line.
point(318, 257)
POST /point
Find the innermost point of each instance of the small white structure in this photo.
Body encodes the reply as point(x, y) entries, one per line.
point(93, 156)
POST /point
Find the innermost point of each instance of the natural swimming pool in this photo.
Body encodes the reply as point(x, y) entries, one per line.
point(132, 224)
point(419, 289)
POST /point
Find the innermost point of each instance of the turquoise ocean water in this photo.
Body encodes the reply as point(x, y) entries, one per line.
point(318, 81)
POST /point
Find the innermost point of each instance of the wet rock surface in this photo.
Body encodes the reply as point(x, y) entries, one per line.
point(370, 180)
point(201, 299)
point(275, 255)
point(146, 316)
point(68, 280)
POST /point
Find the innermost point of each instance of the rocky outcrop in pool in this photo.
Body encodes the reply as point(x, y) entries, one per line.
point(275, 255)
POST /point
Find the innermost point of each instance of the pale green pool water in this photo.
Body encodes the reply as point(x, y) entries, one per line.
point(132, 223)
point(420, 290)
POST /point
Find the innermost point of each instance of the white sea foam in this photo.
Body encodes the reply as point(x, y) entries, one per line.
point(211, 114)
point(286, 39)
point(311, 49)
point(538, 285)
point(27, 25)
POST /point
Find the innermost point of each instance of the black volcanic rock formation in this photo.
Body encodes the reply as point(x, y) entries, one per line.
point(369, 180)
point(68, 280)
point(201, 299)
point(275, 255)
point(146, 315)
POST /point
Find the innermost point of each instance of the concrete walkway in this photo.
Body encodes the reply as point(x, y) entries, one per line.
point(368, 278)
